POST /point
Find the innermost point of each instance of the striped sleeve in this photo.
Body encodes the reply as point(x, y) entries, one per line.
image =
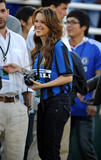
point(63, 59)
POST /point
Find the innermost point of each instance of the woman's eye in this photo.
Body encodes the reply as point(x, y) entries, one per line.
point(43, 22)
point(36, 20)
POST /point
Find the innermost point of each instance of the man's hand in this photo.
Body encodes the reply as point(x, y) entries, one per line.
point(11, 68)
point(91, 110)
point(81, 97)
point(27, 99)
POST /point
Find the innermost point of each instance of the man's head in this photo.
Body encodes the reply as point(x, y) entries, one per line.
point(78, 23)
point(4, 1)
point(59, 5)
point(4, 12)
point(24, 14)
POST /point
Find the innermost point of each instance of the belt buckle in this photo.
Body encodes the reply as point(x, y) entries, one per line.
point(16, 98)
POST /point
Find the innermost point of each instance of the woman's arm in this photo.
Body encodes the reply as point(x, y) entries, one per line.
point(61, 80)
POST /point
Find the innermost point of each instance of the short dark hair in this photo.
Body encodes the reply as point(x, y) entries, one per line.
point(56, 3)
point(3, 1)
point(24, 13)
point(83, 18)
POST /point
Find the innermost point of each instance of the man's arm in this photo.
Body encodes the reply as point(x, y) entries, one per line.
point(91, 110)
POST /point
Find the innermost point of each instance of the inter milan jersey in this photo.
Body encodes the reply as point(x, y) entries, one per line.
point(90, 55)
point(61, 65)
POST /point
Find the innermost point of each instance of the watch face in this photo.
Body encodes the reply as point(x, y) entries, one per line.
point(25, 71)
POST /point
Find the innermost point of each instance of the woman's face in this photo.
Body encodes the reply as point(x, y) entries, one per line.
point(41, 28)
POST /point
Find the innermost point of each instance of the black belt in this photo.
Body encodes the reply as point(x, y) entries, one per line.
point(6, 99)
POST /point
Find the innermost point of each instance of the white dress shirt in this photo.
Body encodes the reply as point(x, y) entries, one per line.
point(13, 84)
point(29, 40)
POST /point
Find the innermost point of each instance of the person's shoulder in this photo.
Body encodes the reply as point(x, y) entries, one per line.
point(94, 43)
point(12, 18)
point(59, 43)
point(14, 24)
point(16, 36)
point(31, 31)
point(30, 35)
point(29, 40)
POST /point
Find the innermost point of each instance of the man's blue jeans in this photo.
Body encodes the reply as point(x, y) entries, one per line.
point(84, 131)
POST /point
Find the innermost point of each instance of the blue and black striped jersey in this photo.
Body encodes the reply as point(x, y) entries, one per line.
point(61, 65)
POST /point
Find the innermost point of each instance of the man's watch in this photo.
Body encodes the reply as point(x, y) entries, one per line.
point(24, 71)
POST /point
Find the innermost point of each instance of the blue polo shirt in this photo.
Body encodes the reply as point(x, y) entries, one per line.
point(61, 65)
point(90, 55)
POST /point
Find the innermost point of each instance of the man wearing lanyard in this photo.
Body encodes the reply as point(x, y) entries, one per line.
point(13, 114)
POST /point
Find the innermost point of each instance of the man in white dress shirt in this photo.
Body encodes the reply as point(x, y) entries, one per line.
point(13, 114)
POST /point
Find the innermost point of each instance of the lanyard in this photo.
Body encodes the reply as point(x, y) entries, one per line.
point(38, 64)
point(5, 53)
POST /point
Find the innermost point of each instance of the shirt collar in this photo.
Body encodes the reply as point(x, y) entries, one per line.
point(7, 34)
point(8, 31)
point(85, 39)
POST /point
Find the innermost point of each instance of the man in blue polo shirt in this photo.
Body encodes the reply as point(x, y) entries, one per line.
point(90, 52)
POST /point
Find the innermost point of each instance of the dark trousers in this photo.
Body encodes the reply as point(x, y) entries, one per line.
point(51, 117)
point(85, 133)
point(29, 138)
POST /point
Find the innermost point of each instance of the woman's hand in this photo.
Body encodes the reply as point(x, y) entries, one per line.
point(11, 68)
point(61, 80)
point(36, 85)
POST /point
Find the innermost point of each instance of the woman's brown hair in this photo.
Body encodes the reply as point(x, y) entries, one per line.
point(55, 32)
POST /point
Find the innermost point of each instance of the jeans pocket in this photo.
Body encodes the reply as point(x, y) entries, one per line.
point(62, 113)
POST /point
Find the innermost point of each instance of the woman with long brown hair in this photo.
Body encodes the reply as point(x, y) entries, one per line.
point(52, 67)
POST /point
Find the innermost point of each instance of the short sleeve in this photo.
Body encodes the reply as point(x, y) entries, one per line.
point(63, 59)
point(97, 59)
